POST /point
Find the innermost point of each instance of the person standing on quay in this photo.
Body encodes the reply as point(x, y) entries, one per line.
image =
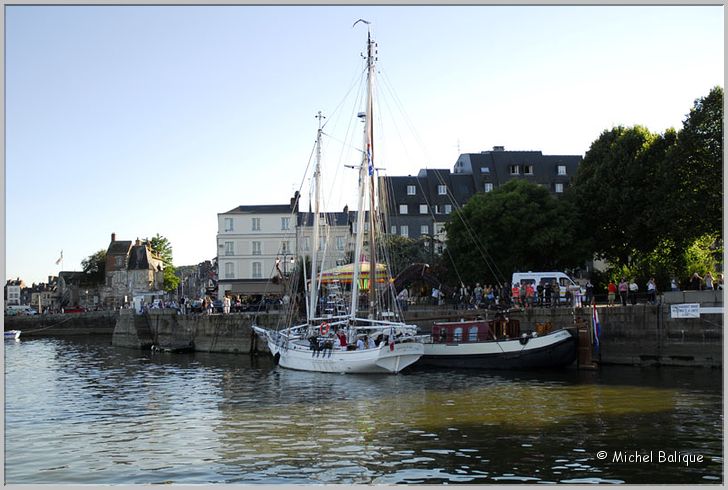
point(652, 291)
point(611, 293)
point(708, 281)
point(623, 288)
point(696, 282)
point(226, 305)
point(589, 292)
point(633, 288)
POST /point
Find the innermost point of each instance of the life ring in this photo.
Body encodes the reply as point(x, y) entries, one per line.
point(324, 328)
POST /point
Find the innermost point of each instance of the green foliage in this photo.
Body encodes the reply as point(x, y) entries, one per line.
point(518, 226)
point(653, 204)
point(615, 194)
point(404, 251)
point(163, 249)
point(94, 266)
point(694, 172)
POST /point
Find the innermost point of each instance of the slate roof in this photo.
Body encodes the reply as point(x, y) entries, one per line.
point(120, 247)
point(139, 258)
point(261, 209)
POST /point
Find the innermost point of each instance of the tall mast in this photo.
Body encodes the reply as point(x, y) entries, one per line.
point(313, 297)
point(369, 136)
point(366, 169)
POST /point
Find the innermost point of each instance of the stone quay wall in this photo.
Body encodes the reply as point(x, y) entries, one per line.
point(640, 335)
point(167, 330)
point(92, 323)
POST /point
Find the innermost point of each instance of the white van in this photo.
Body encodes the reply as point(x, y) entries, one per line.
point(564, 281)
point(13, 310)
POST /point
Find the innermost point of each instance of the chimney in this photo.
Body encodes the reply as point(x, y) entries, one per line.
point(138, 242)
point(113, 237)
point(499, 148)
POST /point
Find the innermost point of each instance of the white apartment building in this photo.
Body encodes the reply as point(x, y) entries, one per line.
point(336, 241)
point(249, 240)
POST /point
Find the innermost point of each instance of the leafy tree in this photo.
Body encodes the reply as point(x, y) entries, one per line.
point(518, 226)
point(94, 266)
point(404, 251)
point(163, 249)
point(693, 173)
point(648, 200)
point(615, 194)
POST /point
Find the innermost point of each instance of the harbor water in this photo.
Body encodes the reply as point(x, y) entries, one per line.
point(84, 412)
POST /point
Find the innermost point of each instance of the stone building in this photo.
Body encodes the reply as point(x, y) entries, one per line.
point(132, 269)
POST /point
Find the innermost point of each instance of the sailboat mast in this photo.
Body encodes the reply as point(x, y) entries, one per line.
point(366, 168)
point(313, 297)
point(370, 149)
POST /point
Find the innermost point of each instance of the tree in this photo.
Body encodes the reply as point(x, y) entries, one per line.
point(94, 266)
point(693, 174)
point(614, 192)
point(404, 251)
point(646, 199)
point(518, 226)
point(163, 249)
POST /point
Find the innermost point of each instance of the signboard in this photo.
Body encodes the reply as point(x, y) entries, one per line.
point(686, 310)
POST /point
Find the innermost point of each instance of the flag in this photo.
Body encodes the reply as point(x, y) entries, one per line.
point(369, 160)
point(60, 258)
point(597, 327)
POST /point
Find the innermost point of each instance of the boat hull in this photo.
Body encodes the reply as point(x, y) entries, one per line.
point(554, 350)
point(379, 360)
point(12, 334)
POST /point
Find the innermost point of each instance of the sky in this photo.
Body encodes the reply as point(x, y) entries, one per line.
point(138, 120)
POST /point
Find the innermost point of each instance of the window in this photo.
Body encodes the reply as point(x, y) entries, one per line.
point(528, 169)
point(119, 262)
point(411, 191)
point(229, 248)
point(561, 170)
point(285, 247)
point(423, 208)
point(228, 224)
point(404, 230)
point(514, 170)
point(439, 228)
point(402, 209)
point(340, 241)
point(442, 190)
point(257, 274)
point(559, 188)
point(285, 223)
point(394, 230)
point(448, 208)
point(484, 170)
point(487, 186)
point(229, 270)
point(256, 248)
point(256, 224)
point(424, 230)
point(307, 243)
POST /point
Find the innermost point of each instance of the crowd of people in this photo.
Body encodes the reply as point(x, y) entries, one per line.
point(528, 294)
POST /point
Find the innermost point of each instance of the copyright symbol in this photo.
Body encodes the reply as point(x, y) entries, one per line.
point(602, 455)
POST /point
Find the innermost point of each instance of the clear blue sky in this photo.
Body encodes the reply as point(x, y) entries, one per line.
point(144, 120)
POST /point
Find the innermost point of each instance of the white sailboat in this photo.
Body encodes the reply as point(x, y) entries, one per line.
point(334, 341)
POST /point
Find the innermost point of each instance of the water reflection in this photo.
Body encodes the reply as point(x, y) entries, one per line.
point(90, 413)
